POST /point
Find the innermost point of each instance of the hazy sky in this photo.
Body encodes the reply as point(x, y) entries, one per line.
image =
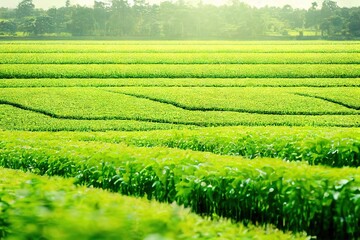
point(257, 3)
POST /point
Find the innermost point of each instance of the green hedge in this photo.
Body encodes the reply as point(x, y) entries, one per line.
point(336, 147)
point(34, 207)
point(179, 71)
point(293, 196)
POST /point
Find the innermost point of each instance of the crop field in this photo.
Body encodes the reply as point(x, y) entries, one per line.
point(179, 140)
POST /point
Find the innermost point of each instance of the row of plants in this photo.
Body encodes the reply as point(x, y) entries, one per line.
point(293, 196)
point(160, 47)
point(335, 147)
point(335, 100)
point(18, 117)
point(179, 71)
point(173, 103)
point(34, 207)
point(180, 82)
point(179, 58)
point(177, 42)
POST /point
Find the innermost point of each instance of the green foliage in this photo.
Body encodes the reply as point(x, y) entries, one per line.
point(36, 207)
point(122, 86)
point(179, 71)
point(336, 147)
point(179, 58)
point(31, 118)
point(291, 101)
point(186, 20)
point(181, 82)
point(17, 119)
point(333, 147)
point(179, 47)
point(293, 196)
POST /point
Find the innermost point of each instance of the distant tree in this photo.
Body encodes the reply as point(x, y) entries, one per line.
point(58, 19)
point(100, 18)
point(43, 24)
point(354, 23)
point(331, 23)
point(6, 13)
point(177, 19)
point(312, 17)
point(120, 19)
point(8, 27)
point(140, 13)
point(82, 21)
point(25, 9)
point(328, 8)
point(27, 25)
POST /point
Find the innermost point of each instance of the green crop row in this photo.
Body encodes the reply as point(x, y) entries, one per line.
point(34, 207)
point(179, 58)
point(180, 71)
point(187, 48)
point(336, 147)
point(293, 196)
point(13, 118)
point(259, 99)
point(327, 146)
point(172, 103)
point(178, 43)
point(96, 105)
point(16, 119)
point(181, 82)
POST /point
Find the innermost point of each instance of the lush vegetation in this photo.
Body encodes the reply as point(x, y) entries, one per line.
point(179, 58)
point(292, 196)
point(180, 82)
point(178, 71)
point(33, 207)
point(262, 133)
point(336, 147)
point(181, 20)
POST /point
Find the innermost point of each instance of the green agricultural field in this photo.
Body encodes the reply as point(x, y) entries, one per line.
point(208, 139)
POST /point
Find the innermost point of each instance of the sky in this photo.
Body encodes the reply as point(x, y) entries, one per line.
point(257, 3)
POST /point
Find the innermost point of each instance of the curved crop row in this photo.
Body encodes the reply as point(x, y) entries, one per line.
point(336, 147)
point(34, 207)
point(305, 101)
point(294, 196)
point(173, 103)
point(333, 147)
point(13, 118)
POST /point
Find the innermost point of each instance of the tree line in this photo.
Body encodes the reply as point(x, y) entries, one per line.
point(179, 20)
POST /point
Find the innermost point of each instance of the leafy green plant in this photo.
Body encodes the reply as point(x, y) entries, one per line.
point(43, 208)
point(292, 196)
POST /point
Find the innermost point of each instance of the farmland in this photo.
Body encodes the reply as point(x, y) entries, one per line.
point(255, 140)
